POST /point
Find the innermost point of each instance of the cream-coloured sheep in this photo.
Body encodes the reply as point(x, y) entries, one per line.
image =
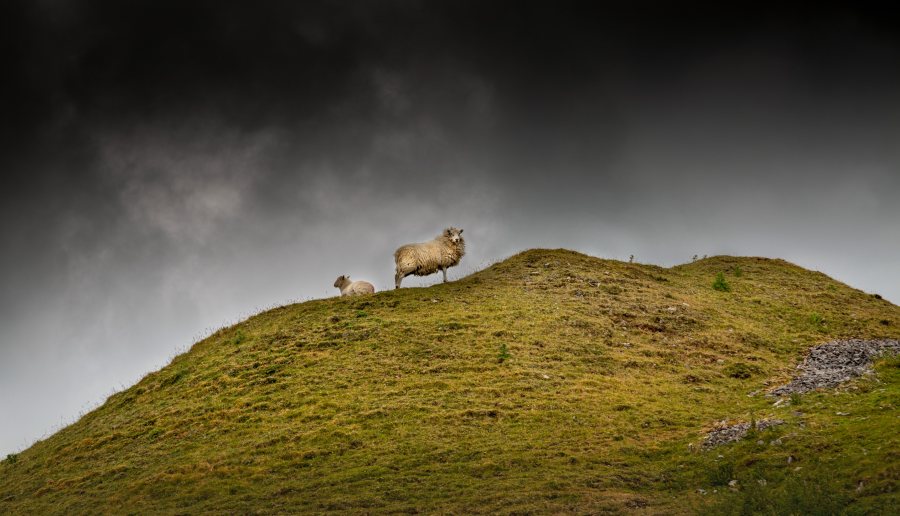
point(425, 258)
point(353, 288)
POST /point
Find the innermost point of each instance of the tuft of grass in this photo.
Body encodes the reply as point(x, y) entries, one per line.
point(741, 370)
point(738, 272)
point(720, 474)
point(816, 319)
point(504, 353)
point(720, 284)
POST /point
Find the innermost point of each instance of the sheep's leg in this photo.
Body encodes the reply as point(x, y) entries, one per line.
point(444, 270)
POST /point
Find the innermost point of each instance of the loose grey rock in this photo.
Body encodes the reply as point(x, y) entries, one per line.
point(830, 364)
point(733, 433)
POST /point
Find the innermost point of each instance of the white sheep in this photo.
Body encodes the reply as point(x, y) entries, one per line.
point(425, 258)
point(353, 288)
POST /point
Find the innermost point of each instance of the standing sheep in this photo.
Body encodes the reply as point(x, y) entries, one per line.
point(425, 258)
point(353, 288)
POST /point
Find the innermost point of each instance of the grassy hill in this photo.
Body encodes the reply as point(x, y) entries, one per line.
point(551, 381)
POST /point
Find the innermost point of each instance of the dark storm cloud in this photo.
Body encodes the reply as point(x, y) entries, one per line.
point(173, 166)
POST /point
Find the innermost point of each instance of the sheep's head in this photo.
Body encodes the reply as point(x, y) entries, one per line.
point(338, 283)
point(453, 234)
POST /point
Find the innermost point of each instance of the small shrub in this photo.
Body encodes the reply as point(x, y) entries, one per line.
point(754, 429)
point(738, 272)
point(720, 284)
point(361, 313)
point(12, 458)
point(504, 353)
point(238, 338)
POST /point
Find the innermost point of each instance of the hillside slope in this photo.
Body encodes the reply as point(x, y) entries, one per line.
point(551, 381)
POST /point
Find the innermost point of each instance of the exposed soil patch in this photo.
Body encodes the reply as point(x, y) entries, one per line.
point(832, 363)
point(733, 433)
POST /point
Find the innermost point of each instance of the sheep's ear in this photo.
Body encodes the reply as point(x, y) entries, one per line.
point(460, 232)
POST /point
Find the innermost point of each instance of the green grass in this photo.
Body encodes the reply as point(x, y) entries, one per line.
point(549, 382)
point(504, 353)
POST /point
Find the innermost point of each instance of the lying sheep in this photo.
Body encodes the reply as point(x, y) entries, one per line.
point(425, 258)
point(353, 288)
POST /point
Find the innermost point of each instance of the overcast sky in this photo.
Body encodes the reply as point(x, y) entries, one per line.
point(172, 167)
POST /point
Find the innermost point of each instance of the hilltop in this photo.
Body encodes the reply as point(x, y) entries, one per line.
point(551, 381)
